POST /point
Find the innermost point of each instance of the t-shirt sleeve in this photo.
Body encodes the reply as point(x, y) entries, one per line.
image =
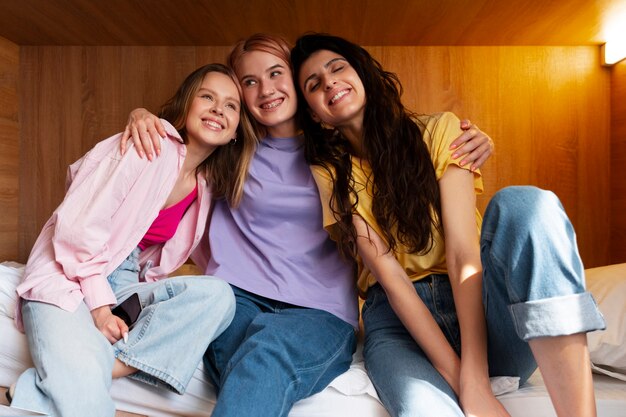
point(325, 187)
point(440, 131)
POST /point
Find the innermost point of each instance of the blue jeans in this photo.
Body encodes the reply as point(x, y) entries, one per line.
point(533, 286)
point(74, 361)
point(274, 354)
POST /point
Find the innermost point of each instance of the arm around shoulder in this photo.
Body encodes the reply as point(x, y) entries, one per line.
point(145, 130)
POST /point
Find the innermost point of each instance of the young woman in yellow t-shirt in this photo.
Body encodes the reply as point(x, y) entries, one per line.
point(444, 310)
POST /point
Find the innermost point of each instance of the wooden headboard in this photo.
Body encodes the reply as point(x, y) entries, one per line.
point(547, 108)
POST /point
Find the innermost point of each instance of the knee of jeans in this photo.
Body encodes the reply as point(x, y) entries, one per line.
point(520, 196)
point(521, 207)
point(216, 292)
point(224, 294)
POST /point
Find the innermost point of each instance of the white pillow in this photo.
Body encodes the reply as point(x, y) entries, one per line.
point(10, 275)
point(608, 347)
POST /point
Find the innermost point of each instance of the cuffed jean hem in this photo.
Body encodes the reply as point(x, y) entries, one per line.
point(152, 376)
point(557, 316)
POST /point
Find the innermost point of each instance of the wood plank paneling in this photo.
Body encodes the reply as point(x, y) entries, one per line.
point(75, 96)
point(536, 104)
point(9, 149)
point(546, 108)
point(618, 163)
point(367, 22)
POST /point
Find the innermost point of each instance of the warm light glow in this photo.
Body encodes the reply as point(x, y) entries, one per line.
point(615, 35)
point(614, 51)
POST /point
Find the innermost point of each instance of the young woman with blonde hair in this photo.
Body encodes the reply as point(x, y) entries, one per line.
point(296, 297)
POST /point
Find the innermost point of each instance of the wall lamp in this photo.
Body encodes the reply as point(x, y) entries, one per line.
point(613, 51)
point(614, 34)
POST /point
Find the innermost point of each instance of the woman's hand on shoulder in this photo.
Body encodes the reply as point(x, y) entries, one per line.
point(111, 326)
point(146, 131)
point(474, 145)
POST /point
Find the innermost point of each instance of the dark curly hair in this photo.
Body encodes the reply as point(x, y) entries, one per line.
point(406, 202)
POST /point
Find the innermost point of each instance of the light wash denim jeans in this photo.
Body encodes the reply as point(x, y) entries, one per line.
point(274, 354)
point(533, 286)
point(73, 360)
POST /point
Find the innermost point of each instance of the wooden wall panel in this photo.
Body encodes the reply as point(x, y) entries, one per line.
point(75, 96)
point(415, 22)
point(618, 163)
point(9, 149)
point(546, 108)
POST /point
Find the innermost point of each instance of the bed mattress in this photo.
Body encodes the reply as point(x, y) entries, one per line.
point(532, 399)
point(350, 394)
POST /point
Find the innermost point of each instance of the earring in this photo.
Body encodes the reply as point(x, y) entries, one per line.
point(233, 141)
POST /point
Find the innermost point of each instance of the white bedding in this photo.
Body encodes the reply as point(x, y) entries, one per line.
point(351, 394)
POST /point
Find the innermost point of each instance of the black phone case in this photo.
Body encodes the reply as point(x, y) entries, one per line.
point(129, 309)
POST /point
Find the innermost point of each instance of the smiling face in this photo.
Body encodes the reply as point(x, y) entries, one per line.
point(214, 112)
point(333, 90)
point(269, 92)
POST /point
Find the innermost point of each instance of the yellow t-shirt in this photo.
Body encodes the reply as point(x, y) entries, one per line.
point(438, 131)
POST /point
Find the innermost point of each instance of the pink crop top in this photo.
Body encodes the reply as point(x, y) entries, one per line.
point(166, 223)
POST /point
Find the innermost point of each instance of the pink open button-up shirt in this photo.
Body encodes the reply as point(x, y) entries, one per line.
point(111, 202)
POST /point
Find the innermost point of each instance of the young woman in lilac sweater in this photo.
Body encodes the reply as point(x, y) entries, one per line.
point(296, 296)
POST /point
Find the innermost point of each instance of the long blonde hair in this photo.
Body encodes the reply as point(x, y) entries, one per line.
point(226, 168)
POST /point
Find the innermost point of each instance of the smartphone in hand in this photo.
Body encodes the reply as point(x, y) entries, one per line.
point(129, 309)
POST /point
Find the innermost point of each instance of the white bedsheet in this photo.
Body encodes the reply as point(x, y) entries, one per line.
point(532, 399)
point(350, 394)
